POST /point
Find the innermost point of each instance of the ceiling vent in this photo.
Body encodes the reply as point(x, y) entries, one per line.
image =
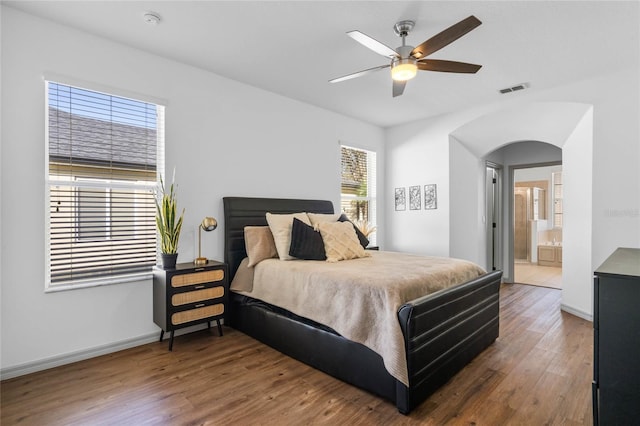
point(515, 88)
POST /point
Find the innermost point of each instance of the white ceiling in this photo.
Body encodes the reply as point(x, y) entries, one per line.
point(293, 48)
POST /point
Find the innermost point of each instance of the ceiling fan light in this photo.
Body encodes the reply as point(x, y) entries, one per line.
point(404, 69)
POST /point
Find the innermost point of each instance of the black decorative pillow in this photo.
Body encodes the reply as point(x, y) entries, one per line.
point(364, 241)
point(305, 242)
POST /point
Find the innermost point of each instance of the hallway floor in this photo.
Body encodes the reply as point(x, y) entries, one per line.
point(543, 276)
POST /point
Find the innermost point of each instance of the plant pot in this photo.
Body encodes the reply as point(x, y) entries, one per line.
point(169, 260)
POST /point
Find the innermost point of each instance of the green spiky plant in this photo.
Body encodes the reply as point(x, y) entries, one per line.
point(169, 225)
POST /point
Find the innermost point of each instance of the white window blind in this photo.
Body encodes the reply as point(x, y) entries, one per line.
point(104, 155)
point(358, 188)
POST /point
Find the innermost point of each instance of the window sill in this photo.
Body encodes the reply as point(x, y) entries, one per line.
point(76, 285)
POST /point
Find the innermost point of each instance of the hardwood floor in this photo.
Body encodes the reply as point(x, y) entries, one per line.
point(537, 372)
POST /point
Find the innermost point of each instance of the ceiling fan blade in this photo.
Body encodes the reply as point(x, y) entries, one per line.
point(447, 66)
point(398, 87)
point(445, 37)
point(373, 44)
point(358, 74)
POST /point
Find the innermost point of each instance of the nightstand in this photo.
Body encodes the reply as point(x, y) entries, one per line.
point(189, 295)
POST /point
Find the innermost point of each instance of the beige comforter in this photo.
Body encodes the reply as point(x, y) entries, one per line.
point(357, 298)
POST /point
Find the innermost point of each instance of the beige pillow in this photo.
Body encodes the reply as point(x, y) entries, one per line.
point(316, 218)
point(259, 243)
point(280, 225)
point(341, 241)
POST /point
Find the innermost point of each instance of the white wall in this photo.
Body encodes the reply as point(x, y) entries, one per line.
point(419, 157)
point(224, 138)
point(467, 236)
point(537, 173)
point(577, 239)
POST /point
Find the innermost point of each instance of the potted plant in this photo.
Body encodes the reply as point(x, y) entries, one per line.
point(169, 224)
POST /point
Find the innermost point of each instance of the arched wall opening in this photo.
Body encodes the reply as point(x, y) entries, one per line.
point(517, 155)
point(568, 126)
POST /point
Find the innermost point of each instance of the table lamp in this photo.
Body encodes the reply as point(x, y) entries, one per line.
point(208, 224)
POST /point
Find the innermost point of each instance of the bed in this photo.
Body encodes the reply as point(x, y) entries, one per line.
point(442, 332)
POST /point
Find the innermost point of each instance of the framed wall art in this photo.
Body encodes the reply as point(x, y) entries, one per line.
point(400, 199)
point(430, 197)
point(415, 200)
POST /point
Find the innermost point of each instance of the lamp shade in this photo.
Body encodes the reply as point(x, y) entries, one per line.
point(209, 224)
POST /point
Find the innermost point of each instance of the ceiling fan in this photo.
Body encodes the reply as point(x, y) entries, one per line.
point(407, 60)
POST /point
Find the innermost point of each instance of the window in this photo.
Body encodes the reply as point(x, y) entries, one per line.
point(358, 188)
point(103, 165)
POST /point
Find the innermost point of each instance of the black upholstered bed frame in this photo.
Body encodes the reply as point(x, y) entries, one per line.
point(443, 332)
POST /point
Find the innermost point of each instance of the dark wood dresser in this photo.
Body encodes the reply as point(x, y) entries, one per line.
point(189, 295)
point(616, 326)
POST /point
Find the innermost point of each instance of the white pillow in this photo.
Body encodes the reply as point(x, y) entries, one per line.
point(280, 225)
point(340, 241)
point(316, 218)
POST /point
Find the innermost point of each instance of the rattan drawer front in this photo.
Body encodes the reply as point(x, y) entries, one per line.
point(197, 278)
point(197, 296)
point(196, 314)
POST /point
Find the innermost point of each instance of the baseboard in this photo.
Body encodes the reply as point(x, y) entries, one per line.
point(56, 361)
point(576, 312)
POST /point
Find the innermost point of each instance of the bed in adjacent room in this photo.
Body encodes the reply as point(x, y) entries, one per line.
point(396, 325)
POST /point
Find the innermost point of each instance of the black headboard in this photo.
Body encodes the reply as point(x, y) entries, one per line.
point(242, 211)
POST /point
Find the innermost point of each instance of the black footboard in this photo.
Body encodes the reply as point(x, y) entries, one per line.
point(444, 332)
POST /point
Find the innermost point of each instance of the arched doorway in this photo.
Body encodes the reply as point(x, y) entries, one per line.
point(529, 210)
point(568, 126)
point(534, 159)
